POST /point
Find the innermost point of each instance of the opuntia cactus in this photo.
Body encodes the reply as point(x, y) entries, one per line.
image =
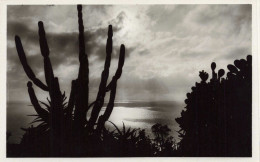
point(204, 76)
point(214, 74)
point(221, 105)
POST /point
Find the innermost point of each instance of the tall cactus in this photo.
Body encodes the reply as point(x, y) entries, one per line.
point(83, 77)
point(60, 117)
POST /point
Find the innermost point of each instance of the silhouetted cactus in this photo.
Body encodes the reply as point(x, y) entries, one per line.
point(221, 72)
point(217, 120)
point(204, 76)
point(67, 122)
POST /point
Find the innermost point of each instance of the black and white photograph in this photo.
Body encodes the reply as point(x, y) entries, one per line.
point(129, 80)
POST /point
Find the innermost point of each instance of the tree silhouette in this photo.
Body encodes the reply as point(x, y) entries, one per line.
point(165, 144)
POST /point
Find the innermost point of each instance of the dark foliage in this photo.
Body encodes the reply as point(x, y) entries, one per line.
point(217, 120)
point(165, 145)
point(117, 143)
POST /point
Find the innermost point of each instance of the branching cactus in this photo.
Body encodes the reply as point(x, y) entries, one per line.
point(62, 117)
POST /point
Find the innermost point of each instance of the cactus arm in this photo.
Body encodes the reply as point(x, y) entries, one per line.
point(83, 58)
point(104, 76)
point(52, 82)
point(40, 111)
point(81, 103)
point(71, 99)
point(57, 95)
point(119, 69)
point(49, 76)
point(26, 67)
point(112, 87)
point(103, 118)
point(81, 32)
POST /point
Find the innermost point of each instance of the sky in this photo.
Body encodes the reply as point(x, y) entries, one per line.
point(166, 46)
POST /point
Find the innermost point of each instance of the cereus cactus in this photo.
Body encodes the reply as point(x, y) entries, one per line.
point(217, 120)
point(63, 121)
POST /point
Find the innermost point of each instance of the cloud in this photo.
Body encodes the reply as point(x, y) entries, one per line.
point(171, 16)
point(166, 45)
point(63, 46)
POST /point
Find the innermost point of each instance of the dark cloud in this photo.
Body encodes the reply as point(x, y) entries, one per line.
point(19, 28)
point(64, 46)
point(26, 10)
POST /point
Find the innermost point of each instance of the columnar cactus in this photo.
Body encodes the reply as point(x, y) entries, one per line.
point(63, 118)
point(81, 104)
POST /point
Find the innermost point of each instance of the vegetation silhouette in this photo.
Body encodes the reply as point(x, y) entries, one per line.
point(218, 116)
point(64, 127)
point(217, 120)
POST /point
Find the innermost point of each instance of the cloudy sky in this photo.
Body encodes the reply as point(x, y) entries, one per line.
point(166, 45)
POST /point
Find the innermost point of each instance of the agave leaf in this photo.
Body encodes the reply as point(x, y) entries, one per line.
point(64, 99)
point(43, 127)
point(118, 130)
point(133, 131)
point(48, 100)
point(63, 95)
point(24, 129)
point(47, 106)
point(35, 119)
point(43, 123)
point(38, 120)
point(64, 104)
point(33, 115)
point(128, 131)
point(123, 127)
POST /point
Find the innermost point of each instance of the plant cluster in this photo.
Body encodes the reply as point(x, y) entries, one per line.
point(217, 120)
point(64, 128)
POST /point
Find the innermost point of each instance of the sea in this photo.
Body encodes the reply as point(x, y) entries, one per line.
point(134, 114)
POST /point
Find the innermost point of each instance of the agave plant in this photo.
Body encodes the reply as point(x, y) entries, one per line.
point(125, 134)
